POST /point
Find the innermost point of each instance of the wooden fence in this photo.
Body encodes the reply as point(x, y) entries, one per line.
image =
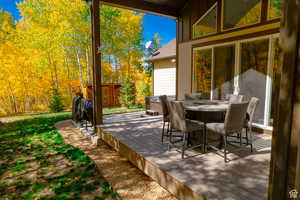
point(110, 92)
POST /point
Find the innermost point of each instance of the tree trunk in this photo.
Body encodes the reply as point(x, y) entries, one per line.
point(68, 77)
point(79, 68)
point(88, 65)
point(55, 74)
point(51, 71)
point(117, 74)
point(128, 68)
point(13, 99)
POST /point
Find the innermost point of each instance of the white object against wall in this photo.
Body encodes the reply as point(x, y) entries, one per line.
point(165, 81)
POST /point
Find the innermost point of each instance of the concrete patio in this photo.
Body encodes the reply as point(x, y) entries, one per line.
point(138, 137)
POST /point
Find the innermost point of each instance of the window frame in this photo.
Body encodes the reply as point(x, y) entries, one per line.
point(203, 16)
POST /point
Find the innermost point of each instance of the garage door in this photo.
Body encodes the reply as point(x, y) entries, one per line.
point(165, 81)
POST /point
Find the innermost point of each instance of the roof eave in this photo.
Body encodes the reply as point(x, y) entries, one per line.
point(143, 6)
point(161, 58)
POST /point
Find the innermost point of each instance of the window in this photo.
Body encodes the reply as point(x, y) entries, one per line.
point(239, 13)
point(248, 67)
point(274, 10)
point(202, 70)
point(224, 64)
point(207, 24)
point(253, 74)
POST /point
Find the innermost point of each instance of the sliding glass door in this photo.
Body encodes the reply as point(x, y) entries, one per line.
point(249, 68)
point(202, 71)
point(253, 74)
point(223, 71)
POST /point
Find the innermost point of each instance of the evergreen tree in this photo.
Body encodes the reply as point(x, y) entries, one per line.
point(155, 44)
point(127, 97)
point(55, 101)
point(146, 90)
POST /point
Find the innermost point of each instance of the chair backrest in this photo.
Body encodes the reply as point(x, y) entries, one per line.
point(178, 115)
point(164, 105)
point(251, 108)
point(232, 98)
point(235, 117)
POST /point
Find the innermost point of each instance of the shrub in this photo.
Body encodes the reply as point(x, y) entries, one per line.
point(127, 97)
point(145, 91)
point(55, 101)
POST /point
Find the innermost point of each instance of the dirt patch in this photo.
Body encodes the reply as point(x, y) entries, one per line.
point(128, 180)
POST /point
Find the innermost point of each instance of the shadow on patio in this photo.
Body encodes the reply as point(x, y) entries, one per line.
point(244, 177)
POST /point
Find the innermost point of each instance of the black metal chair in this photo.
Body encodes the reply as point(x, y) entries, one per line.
point(233, 124)
point(185, 126)
point(166, 116)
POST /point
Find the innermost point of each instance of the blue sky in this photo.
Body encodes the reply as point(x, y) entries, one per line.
point(165, 27)
point(10, 6)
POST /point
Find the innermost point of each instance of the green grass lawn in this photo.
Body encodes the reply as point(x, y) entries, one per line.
point(116, 110)
point(35, 163)
point(106, 111)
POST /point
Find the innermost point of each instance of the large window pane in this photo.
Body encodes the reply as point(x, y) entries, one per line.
point(202, 70)
point(275, 8)
point(224, 71)
point(238, 13)
point(253, 76)
point(207, 24)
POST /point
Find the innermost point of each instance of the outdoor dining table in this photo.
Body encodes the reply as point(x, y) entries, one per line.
point(206, 111)
point(206, 105)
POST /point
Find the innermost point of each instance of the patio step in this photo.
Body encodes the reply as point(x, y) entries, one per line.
point(152, 112)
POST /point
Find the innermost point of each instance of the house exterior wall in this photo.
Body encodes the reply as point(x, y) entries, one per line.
point(164, 77)
point(184, 69)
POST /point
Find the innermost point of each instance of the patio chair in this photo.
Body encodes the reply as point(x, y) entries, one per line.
point(166, 116)
point(233, 98)
point(185, 126)
point(250, 116)
point(234, 123)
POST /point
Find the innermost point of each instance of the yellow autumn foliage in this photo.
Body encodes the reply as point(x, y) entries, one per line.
point(50, 46)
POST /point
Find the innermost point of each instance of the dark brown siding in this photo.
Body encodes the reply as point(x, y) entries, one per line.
point(179, 29)
point(185, 28)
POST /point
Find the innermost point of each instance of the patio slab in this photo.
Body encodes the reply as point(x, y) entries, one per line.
point(138, 137)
